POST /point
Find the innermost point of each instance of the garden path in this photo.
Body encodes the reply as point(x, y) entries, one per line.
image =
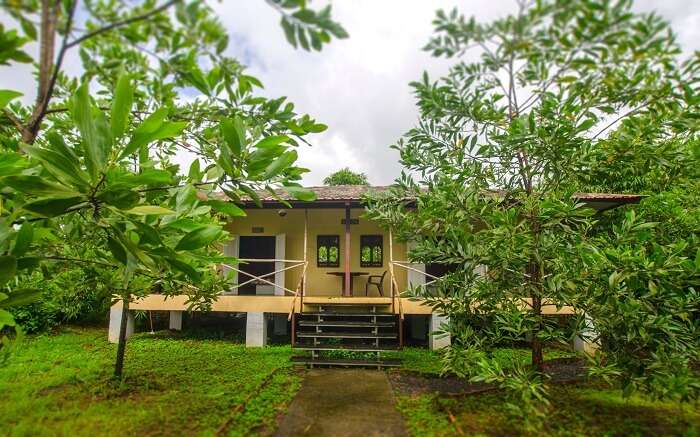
point(339, 402)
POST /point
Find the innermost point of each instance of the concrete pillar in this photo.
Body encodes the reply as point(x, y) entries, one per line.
point(438, 341)
point(255, 330)
point(115, 318)
point(584, 341)
point(175, 320)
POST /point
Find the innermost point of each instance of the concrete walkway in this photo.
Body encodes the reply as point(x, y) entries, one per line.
point(335, 402)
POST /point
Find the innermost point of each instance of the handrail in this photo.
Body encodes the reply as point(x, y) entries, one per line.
point(261, 278)
point(296, 292)
point(422, 272)
point(406, 265)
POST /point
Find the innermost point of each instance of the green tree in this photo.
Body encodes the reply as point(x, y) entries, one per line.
point(345, 176)
point(503, 143)
point(79, 166)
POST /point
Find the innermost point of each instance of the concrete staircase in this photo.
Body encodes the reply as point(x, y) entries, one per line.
point(346, 335)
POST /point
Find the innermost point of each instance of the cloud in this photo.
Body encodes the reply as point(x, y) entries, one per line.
point(359, 86)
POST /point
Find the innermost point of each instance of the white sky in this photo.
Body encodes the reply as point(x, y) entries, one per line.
point(359, 86)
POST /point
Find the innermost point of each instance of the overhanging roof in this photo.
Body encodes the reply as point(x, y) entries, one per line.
point(342, 195)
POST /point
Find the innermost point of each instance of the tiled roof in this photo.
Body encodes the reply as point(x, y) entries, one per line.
point(338, 192)
point(355, 193)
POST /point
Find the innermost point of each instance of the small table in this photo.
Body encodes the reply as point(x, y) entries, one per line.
point(353, 275)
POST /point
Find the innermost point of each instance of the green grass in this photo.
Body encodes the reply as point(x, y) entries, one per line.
point(61, 385)
point(427, 362)
point(576, 410)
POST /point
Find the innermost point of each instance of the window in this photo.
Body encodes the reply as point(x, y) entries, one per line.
point(371, 247)
point(328, 251)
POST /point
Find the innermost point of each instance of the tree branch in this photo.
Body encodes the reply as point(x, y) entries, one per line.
point(40, 109)
point(125, 22)
point(16, 121)
point(79, 260)
point(627, 114)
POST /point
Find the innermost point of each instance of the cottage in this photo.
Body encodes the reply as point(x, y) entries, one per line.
point(322, 273)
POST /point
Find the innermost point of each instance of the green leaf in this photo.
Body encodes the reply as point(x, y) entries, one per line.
point(28, 28)
point(119, 197)
point(187, 225)
point(37, 186)
point(194, 173)
point(697, 259)
point(280, 164)
point(147, 177)
point(21, 297)
point(53, 206)
point(228, 208)
point(92, 131)
point(8, 268)
point(301, 193)
point(23, 239)
point(62, 164)
point(117, 250)
point(233, 132)
point(6, 96)
point(251, 193)
point(11, 163)
point(153, 128)
point(28, 262)
point(6, 319)
point(586, 124)
point(150, 210)
point(199, 238)
point(121, 106)
point(289, 31)
point(303, 41)
point(272, 141)
point(148, 234)
point(184, 267)
point(195, 77)
point(317, 128)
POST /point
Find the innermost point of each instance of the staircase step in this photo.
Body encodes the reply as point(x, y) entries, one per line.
point(344, 362)
point(345, 335)
point(361, 307)
point(346, 324)
point(346, 347)
point(347, 314)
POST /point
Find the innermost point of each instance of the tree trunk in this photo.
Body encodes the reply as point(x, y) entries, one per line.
point(119, 364)
point(535, 282)
point(536, 344)
point(47, 46)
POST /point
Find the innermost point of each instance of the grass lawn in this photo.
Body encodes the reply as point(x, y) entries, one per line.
point(576, 410)
point(584, 409)
point(61, 385)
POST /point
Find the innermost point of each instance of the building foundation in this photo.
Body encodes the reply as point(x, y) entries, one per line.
point(438, 341)
point(115, 318)
point(255, 330)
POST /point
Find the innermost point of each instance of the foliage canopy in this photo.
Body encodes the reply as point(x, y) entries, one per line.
point(88, 168)
point(345, 176)
point(563, 96)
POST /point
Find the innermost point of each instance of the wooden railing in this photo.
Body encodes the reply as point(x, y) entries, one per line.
point(406, 265)
point(261, 278)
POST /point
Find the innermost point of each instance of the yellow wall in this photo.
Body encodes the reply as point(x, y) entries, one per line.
point(322, 222)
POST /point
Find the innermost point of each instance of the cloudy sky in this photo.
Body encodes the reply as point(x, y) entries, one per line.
point(359, 86)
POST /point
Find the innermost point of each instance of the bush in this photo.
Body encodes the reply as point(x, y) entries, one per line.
point(74, 295)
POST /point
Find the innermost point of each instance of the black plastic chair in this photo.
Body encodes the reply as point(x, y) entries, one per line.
point(379, 283)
